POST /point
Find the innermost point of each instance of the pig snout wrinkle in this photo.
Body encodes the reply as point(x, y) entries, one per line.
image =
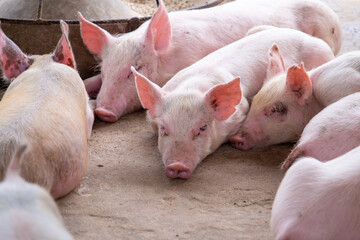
point(178, 170)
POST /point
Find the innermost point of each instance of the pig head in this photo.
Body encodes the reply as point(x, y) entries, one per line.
point(280, 110)
point(115, 87)
point(190, 124)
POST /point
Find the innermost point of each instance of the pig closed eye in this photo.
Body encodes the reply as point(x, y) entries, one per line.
point(280, 108)
point(137, 69)
point(277, 111)
point(202, 129)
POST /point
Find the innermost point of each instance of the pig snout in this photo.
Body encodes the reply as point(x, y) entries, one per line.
point(178, 170)
point(240, 142)
point(105, 114)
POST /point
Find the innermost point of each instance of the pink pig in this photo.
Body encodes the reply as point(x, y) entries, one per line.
point(27, 211)
point(319, 201)
point(201, 106)
point(170, 42)
point(287, 102)
point(46, 106)
point(331, 133)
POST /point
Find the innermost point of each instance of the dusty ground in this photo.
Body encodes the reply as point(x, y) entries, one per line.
point(126, 194)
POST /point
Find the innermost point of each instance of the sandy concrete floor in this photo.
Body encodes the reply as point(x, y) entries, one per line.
point(126, 194)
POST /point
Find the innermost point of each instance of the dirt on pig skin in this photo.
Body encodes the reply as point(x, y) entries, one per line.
point(126, 194)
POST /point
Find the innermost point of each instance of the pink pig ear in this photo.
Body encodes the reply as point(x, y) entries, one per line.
point(63, 52)
point(298, 83)
point(159, 30)
point(13, 60)
point(276, 63)
point(94, 37)
point(223, 98)
point(149, 93)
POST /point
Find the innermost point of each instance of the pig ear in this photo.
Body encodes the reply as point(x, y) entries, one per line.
point(159, 30)
point(223, 98)
point(149, 93)
point(13, 60)
point(276, 63)
point(13, 168)
point(94, 37)
point(298, 83)
point(63, 52)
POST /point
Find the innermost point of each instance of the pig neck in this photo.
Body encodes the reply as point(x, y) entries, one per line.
point(312, 106)
point(222, 130)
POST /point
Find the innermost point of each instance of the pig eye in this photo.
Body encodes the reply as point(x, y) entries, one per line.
point(278, 109)
point(203, 128)
point(138, 68)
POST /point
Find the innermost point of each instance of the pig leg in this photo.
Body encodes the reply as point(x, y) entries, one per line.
point(93, 85)
point(295, 153)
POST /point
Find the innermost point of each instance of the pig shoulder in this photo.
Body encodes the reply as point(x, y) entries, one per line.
point(331, 132)
point(337, 78)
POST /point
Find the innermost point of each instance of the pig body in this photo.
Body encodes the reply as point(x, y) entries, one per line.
point(170, 42)
point(47, 107)
point(194, 113)
point(331, 133)
point(319, 200)
point(299, 96)
point(27, 211)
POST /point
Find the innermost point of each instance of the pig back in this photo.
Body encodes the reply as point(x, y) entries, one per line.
point(46, 108)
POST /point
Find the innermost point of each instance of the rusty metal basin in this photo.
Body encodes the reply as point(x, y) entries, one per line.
point(34, 24)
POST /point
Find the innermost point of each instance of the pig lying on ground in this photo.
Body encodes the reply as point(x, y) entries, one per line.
point(27, 211)
point(331, 133)
point(170, 42)
point(198, 109)
point(319, 201)
point(46, 106)
point(286, 103)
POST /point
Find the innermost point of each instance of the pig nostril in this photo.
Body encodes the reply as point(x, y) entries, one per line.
point(105, 115)
point(178, 170)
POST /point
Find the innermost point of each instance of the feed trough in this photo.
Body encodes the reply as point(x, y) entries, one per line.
point(34, 24)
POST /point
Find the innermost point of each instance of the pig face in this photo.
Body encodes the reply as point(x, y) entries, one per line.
point(278, 111)
point(188, 123)
point(142, 49)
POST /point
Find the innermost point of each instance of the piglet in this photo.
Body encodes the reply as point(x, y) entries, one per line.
point(46, 105)
point(203, 105)
point(27, 211)
point(331, 133)
point(170, 42)
point(286, 103)
point(319, 201)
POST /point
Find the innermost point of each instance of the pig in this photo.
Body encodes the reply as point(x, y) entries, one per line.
point(318, 200)
point(46, 105)
point(286, 103)
point(203, 105)
point(27, 211)
point(167, 43)
point(330, 133)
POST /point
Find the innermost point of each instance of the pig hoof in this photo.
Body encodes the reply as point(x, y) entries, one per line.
point(105, 115)
point(178, 170)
